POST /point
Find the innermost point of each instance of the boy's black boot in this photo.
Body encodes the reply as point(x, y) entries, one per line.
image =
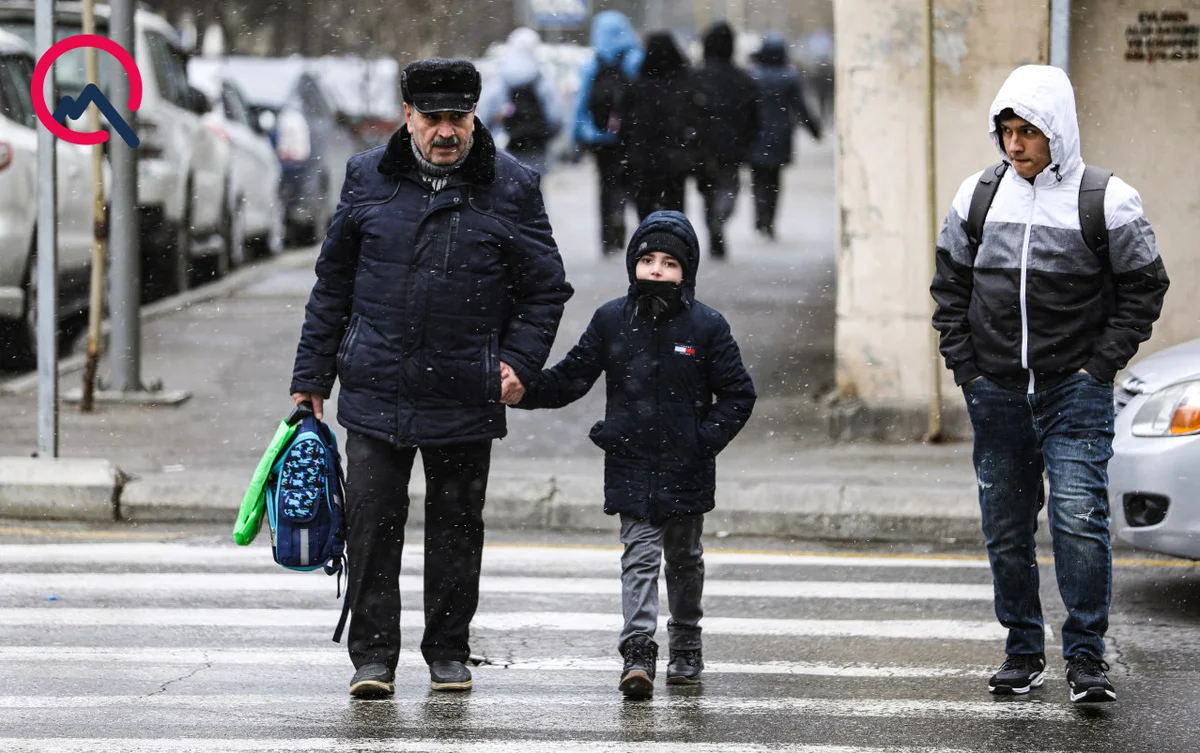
point(641, 657)
point(685, 667)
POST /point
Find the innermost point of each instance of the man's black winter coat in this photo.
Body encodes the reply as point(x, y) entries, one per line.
point(420, 295)
point(662, 429)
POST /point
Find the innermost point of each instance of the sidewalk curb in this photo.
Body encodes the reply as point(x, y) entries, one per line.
point(777, 508)
point(223, 288)
point(83, 489)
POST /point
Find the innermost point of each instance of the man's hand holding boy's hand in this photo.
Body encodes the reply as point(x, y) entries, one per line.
point(511, 389)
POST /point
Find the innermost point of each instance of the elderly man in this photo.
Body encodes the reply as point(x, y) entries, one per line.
point(439, 291)
point(1047, 281)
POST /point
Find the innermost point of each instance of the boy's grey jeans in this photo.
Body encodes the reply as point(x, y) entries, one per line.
point(646, 544)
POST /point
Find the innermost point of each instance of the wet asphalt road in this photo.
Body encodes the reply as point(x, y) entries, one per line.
point(176, 640)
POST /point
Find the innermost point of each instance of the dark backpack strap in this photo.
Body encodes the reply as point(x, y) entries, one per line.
point(341, 626)
point(1091, 210)
point(981, 202)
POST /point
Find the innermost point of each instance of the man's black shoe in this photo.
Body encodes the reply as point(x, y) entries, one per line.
point(641, 656)
point(1086, 678)
point(372, 681)
point(685, 667)
point(1019, 674)
point(445, 674)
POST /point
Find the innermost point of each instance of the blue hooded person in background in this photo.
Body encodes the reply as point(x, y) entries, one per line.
point(603, 90)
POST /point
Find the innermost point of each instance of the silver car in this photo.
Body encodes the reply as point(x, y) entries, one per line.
point(1154, 475)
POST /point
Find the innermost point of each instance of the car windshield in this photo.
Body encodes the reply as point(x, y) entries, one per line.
point(69, 70)
point(16, 73)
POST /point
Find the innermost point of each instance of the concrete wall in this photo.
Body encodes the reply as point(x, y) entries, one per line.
point(884, 337)
point(1142, 120)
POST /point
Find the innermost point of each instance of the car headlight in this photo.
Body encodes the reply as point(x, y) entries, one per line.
point(1170, 412)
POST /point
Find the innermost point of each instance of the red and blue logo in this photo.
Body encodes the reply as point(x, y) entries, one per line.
point(73, 108)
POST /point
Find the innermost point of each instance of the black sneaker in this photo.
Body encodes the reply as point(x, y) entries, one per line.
point(1085, 676)
point(641, 656)
point(685, 667)
point(445, 674)
point(1019, 674)
point(372, 681)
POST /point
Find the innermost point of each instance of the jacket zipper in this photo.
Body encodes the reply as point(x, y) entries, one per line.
point(656, 427)
point(1024, 282)
point(450, 243)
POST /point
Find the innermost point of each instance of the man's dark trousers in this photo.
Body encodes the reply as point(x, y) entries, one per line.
point(377, 476)
point(719, 183)
point(610, 163)
point(1066, 430)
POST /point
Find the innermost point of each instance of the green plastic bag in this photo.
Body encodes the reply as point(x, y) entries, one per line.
point(254, 503)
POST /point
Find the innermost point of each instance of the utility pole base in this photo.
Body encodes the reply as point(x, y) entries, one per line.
point(146, 398)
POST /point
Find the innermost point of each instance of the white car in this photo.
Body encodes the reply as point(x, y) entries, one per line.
point(19, 208)
point(181, 165)
point(1154, 474)
point(255, 214)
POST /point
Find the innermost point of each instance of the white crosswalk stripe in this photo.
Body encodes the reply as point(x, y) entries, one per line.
point(375, 745)
point(149, 583)
point(130, 657)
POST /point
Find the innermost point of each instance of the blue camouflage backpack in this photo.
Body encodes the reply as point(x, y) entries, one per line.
point(304, 498)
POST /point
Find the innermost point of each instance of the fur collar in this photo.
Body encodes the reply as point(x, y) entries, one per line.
point(480, 167)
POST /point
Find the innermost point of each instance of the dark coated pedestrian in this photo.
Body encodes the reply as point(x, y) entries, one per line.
point(439, 291)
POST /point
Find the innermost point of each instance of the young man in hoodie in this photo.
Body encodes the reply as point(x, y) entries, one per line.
point(1035, 325)
point(665, 357)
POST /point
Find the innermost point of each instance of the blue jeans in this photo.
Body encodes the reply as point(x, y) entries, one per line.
point(1066, 430)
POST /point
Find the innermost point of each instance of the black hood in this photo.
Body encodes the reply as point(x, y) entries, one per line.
point(663, 58)
point(718, 43)
point(479, 167)
point(678, 225)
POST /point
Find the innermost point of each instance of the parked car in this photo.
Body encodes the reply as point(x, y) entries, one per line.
point(1154, 475)
point(181, 165)
point(312, 140)
point(255, 212)
point(366, 93)
point(19, 209)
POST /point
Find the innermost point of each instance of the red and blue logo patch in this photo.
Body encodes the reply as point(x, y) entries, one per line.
point(685, 350)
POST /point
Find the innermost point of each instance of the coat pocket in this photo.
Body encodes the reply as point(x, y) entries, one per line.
point(491, 369)
point(345, 354)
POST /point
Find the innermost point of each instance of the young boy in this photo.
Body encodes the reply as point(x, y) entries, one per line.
point(665, 357)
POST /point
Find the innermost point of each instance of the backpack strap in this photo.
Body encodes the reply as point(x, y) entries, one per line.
point(981, 202)
point(1091, 210)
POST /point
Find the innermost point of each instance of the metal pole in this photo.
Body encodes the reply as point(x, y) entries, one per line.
point(1060, 34)
point(47, 254)
point(98, 230)
point(935, 362)
point(126, 338)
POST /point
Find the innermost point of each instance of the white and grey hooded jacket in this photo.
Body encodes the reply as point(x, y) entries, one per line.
point(1033, 304)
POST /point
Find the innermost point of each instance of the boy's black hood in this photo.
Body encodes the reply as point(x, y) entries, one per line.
point(678, 225)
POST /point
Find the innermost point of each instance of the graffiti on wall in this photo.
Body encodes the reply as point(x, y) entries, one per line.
point(1163, 35)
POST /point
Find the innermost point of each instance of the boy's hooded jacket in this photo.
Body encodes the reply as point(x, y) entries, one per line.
point(661, 430)
point(1033, 304)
